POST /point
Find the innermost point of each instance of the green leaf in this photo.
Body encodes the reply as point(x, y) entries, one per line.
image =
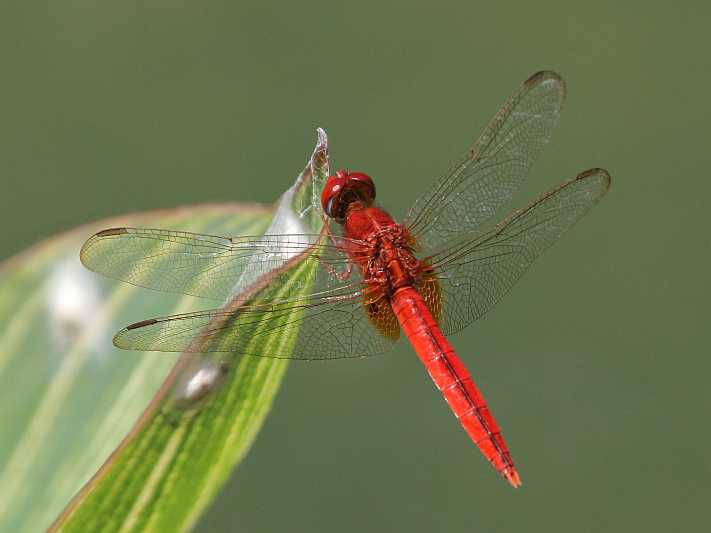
point(68, 396)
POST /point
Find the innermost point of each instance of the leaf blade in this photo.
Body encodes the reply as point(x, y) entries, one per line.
point(174, 461)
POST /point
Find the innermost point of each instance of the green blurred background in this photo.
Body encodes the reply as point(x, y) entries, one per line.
point(595, 365)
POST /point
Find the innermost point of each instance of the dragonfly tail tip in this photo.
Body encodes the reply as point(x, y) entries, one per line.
point(512, 477)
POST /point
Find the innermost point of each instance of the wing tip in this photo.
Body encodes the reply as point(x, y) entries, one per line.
point(111, 232)
point(91, 241)
point(604, 175)
point(120, 339)
point(141, 324)
point(543, 76)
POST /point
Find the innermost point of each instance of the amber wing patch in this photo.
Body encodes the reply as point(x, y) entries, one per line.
point(429, 289)
point(381, 315)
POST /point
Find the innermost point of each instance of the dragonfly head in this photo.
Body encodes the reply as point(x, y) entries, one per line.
point(343, 189)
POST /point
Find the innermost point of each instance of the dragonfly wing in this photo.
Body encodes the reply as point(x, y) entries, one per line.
point(476, 273)
point(491, 170)
point(330, 328)
point(202, 265)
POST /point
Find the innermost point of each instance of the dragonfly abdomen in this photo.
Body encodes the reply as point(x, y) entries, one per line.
point(453, 380)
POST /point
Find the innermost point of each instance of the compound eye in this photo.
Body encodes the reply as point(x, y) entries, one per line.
point(343, 189)
point(362, 185)
point(331, 197)
point(333, 207)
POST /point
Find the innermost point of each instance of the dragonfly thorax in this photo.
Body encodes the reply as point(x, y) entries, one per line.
point(392, 264)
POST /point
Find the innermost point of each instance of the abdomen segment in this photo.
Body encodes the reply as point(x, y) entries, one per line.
point(453, 380)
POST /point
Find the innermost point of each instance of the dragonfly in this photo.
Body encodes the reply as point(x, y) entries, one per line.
point(370, 279)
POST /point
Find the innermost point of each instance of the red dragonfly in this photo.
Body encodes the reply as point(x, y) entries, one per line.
point(370, 278)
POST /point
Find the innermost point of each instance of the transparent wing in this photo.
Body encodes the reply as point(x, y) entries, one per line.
point(207, 265)
point(494, 166)
point(476, 273)
point(323, 328)
point(309, 302)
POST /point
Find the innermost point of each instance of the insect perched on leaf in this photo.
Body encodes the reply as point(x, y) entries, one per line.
point(372, 278)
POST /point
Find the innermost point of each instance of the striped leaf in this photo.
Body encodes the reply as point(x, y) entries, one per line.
point(69, 397)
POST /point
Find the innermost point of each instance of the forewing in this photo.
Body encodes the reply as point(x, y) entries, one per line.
point(492, 169)
point(476, 273)
point(207, 265)
point(325, 329)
